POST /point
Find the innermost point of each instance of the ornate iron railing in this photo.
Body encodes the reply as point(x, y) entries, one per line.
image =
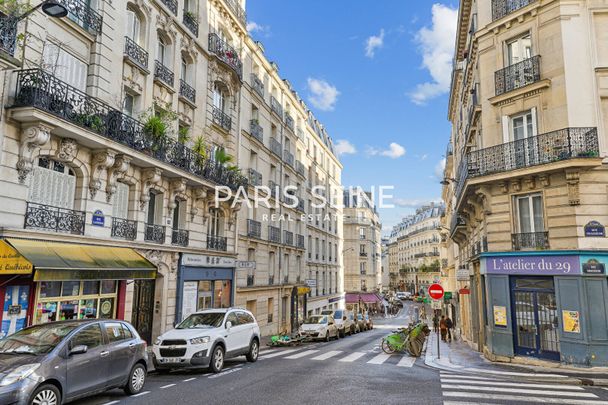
point(47, 217)
point(171, 5)
point(288, 238)
point(256, 130)
point(222, 119)
point(274, 188)
point(289, 121)
point(300, 241)
point(502, 8)
point(237, 10)
point(180, 237)
point(186, 91)
point(136, 53)
point(276, 107)
point(363, 254)
point(457, 222)
point(257, 84)
point(191, 22)
point(215, 242)
point(288, 157)
point(255, 177)
point(163, 73)
point(254, 228)
point(250, 280)
point(82, 14)
point(518, 75)
point(154, 233)
point(8, 34)
point(40, 89)
point(300, 133)
point(124, 229)
point(274, 234)
point(225, 53)
point(300, 168)
point(531, 240)
point(275, 147)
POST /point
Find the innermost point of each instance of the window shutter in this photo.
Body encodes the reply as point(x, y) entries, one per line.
point(506, 135)
point(64, 66)
point(534, 122)
point(158, 209)
point(120, 208)
point(182, 214)
point(52, 188)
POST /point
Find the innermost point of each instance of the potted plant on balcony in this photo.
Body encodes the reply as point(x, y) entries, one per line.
point(156, 130)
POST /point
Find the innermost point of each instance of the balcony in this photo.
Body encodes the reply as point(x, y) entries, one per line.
point(82, 14)
point(256, 130)
point(171, 5)
point(276, 107)
point(274, 234)
point(255, 177)
point(289, 121)
point(180, 237)
point(502, 8)
point(517, 76)
point(300, 169)
point(237, 10)
point(362, 254)
point(191, 22)
point(136, 54)
point(250, 280)
point(8, 34)
point(457, 222)
point(187, 92)
point(215, 242)
point(154, 233)
point(288, 238)
point(300, 241)
point(163, 74)
point(225, 53)
point(39, 89)
point(222, 119)
point(288, 157)
point(274, 189)
point(530, 240)
point(124, 229)
point(254, 229)
point(55, 219)
point(276, 147)
point(257, 85)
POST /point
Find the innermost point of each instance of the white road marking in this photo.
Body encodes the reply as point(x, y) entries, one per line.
point(167, 386)
point(352, 357)
point(483, 371)
point(521, 398)
point(190, 379)
point(406, 361)
point(301, 354)
point(513, 384)
point(140, 394)
point(279, 353)
point(519, 391)
point(468, 377)
point(223, 373)
point(379, 359)
point(466, 403)
point(327, 355)
point(111, 402)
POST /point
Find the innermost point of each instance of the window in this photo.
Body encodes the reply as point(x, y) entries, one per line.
point(363, 285)
point(179, 215)
point(529, 215)
point(64, 66)
point(362, 268)
point(116, 332)
point(523, 125)
point(155, 208)
point(132, 26)
point(519, 49)
point(362, 249)
point(163, 55)
point(89, 336)
point(232, 318)
point(52, 183)
point(285, 309)
point(361, 233)
point(128, 103)
point(120, 205)
point(219, 99)
point(216, 222)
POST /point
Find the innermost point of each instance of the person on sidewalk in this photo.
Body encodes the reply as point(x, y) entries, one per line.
point(449, 324)
point(443, 328)
point(435, 323)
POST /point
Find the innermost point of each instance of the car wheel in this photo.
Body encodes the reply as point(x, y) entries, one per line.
point(327, 336)
point(342, 333)
point(46, 394)
point(136, 381)
point(217, 359)
point(254, 350)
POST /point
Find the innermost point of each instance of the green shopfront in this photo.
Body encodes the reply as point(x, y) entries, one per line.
point(548, 305)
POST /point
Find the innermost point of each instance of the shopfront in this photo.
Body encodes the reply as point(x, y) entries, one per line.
point(204, 282)
point(547, 305)
point(299, 302)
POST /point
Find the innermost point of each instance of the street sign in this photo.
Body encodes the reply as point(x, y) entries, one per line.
point(311, 282)
point(436, 291)
point(436, 305)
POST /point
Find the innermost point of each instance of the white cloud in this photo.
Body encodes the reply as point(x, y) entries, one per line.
point(414, 202)
point(323, 95)
point(343, 147)
point(439, 168)
point(437, 46)
point(424, 157)
point(374, 42)
point(394, 151)
point(253, 27)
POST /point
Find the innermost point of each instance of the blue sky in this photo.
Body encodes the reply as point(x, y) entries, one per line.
point(376, 73)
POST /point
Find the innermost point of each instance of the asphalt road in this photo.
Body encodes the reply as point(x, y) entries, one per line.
point(350, 370)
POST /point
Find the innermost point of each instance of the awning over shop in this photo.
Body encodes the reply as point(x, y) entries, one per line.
point(66, 261)
point(366, 298)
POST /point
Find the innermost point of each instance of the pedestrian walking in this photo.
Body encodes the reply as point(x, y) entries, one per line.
point(443, 328)
point(435, 324)
point(449, 325)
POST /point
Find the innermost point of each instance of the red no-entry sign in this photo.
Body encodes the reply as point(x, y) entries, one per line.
point(436, 291)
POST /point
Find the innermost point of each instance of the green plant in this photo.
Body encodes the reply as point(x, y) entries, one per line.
point(183, 135)
point(223, 158)
point(200, 148)
point(156, 127)
point(190, 15)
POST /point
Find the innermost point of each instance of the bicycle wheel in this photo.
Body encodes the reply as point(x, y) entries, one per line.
point(387, 348)
point(414, 348)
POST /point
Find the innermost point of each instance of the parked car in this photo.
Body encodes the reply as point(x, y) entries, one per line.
point(401, 295)
point(361, 322)
point(354, 327)
point(369, 323)
point(319, 327)
point(63, 361)
point(206, 338)
point(343, 322)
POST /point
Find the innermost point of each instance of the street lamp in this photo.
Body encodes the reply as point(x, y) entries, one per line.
point(446, 181)
point(49, 7)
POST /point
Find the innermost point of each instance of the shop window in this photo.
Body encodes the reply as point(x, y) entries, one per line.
point(52, 183)
point(205, 293)
point(222, 294)
point(90, 337)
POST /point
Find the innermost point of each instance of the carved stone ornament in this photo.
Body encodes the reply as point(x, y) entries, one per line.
point(198, 194)
point(221, 74)
point(178, 192)
point(516, 185)
point(115, 173)
point(572, 180)
point(530, 183)
point(544, 180)
point(233, 214)
point(32, 139)
point(68, 149)
point(102, 160)
point(150, 178)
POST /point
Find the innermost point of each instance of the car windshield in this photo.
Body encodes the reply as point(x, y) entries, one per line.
point(36, 340)
point(316, 319)
point(202, 321)
point(360, 317)
point(338, 315)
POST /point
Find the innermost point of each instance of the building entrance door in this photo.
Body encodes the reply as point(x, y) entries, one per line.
point(534, 311)
point(143, 308)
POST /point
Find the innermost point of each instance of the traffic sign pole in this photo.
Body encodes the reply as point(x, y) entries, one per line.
point(436, 292)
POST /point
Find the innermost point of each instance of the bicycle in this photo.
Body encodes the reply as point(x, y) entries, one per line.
point(396, 341)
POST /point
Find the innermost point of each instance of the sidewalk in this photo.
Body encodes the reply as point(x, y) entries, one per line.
point(457, 357)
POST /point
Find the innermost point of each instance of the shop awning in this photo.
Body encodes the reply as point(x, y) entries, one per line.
point(67, 261)
point(366, 298)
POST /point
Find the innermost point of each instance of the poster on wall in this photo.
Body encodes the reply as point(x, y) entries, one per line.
point(571, 321)
point(500, 316)
point(189, 298)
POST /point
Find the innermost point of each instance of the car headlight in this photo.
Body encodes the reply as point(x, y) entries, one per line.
point(19, 374)
point(199, 340)
point(157, 341)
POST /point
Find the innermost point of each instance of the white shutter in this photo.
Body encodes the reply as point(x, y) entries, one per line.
point(158, 209)
point(506, 135)
point(120, 207)
point(52, 188)
point(182, 215)
point(534, 122)
point(64, 66)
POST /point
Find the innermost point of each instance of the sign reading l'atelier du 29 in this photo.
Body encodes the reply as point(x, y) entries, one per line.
point(550, 265)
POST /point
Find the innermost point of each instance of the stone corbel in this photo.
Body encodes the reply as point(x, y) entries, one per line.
point(198, 195)
point(32, 139)
point(544, 180)
point(483, 193)
point(233, 214)
point(102, 160)
point(516, 185)
point(178, 192)
point(150, 178)
point(572, 180)
point(68, 149)
point(116, 172)
point(530, 183)
point(504, 187)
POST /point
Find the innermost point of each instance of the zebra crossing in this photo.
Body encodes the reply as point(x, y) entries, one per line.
point(369, 357)
point(461, 389)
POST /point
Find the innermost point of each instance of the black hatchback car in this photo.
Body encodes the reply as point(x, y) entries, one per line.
point(61, 361)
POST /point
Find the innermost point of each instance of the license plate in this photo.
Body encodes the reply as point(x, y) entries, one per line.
point(172, 360)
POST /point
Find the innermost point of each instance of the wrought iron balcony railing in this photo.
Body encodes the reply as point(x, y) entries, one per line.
point(40, 89)
point(457, 222)
point(300, 168)
point(250, 280)
point(274, 234)
point(8, 34)
point(502, 8)
point(256, 130)
point(186, 91)
point(288, 238)
point(163, 74)
point(222, 119)
point(180, 237)
point(530, 240)
point(289, 121)
point(82, 14)
point(288, 157)
point(518, 75)
point(171, 5)
point(237, 10)
point(276, 147)
point(215, 242)
point(276, 107)
point(55, 219)
point(363, 254)
point(254, 228)
point(257, 84)
point(274, 189)
point(154, 233)
point(255, 177)
point(191, 22)
point(300, 241)
point(136, 53)
point(225, 53)
point(124, 229)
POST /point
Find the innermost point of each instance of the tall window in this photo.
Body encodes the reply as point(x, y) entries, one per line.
point(65, 66)
point(120, 205)
point(155, 208)
point(529, 213)
point(519, 49)
point(52, 183)
point(523, 126)
point(216, 222)
point(179, 215)
point(133, 26)
point(163, 53)
point(362, 268)
point(219, 98)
